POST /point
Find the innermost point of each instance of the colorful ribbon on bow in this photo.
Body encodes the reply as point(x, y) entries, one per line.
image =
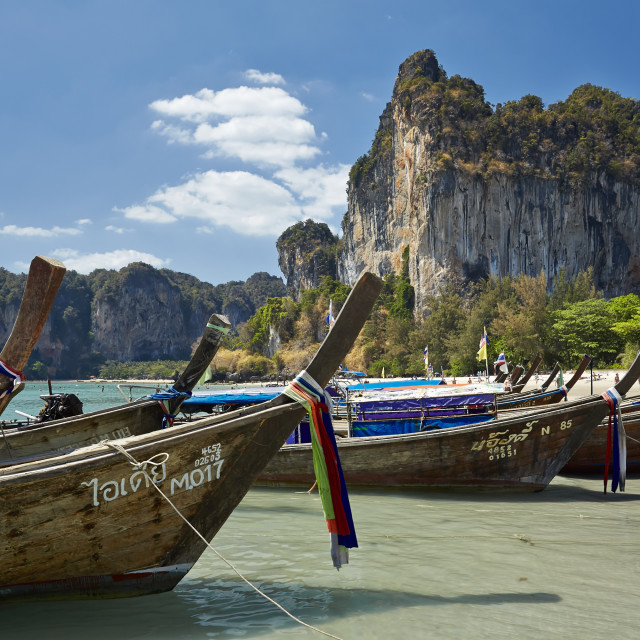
point(164, 398)
point(326, 463)
point(16, 377)
point(616, 443)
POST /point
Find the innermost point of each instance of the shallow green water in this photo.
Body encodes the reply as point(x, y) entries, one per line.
point(563, 563)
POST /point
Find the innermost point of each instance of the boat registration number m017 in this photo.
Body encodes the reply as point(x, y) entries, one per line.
point(207, 470)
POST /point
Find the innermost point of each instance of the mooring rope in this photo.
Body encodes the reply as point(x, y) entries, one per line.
point(141, 466)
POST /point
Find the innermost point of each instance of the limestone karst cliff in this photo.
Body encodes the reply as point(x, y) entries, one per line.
point(474, 190)
point(137, 313)
point(306, 252)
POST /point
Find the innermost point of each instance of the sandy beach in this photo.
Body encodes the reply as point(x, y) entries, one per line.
point(602, 380)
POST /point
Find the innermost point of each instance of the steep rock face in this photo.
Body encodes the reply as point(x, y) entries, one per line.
point(137, 313)
point(8, 315)
point(462, 221)
point(143, 322)
point(306, 252)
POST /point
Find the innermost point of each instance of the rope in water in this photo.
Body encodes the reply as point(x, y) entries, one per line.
point(141, 466)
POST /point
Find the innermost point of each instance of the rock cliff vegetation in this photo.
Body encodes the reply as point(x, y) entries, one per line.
point(136, 314)
point(476, 190)
point(306, 253)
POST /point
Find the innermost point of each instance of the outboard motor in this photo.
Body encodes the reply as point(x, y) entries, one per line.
point(60, 405)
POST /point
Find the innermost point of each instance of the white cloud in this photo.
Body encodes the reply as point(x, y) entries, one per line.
point(228, 103)
point(109, 260)
point(113, 229)
point(147, 213)
point(262, 126)
point(84, 221)
point(368, 97)
point(247, 203)
point(173, 134)
point(253, 75)
point(321, 190)
point(38, 232)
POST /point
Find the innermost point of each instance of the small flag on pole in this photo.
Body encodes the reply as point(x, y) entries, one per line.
point(426, 357)
point(484, 343)
point(330, 319)
point(498, 364)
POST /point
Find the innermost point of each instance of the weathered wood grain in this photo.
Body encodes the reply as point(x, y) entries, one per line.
point(85, 524)
point(521, 452)
point(43, 281)
point(129, 419)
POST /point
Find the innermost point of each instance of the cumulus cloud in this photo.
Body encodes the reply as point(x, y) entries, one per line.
point(86, 263)
point(148, 213)
point(247, 203)
point(253, 75)
point(321, 190)
point(231, 103)
point(38, 232)
point(113, 229)
point(262, 126)
point(268, 130)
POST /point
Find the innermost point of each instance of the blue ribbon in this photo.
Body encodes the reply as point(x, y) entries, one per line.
point(16, 378)
point(165, 396)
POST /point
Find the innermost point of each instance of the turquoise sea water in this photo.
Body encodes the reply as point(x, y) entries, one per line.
point(560, 564)
point(93, 395)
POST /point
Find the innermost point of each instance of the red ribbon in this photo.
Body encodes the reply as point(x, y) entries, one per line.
point(339, 524)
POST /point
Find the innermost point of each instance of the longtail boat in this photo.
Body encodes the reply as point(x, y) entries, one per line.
point(591, 457)
point(518, 386)
point(65, 434)
point(43, 281)
point(539, 399)
point(503, 373)
point(395, 413)
point(91, 523)
point(521, 452)
point(515, 375)
point(550, 378)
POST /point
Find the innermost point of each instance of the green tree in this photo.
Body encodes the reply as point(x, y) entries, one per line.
point(522, 320)
point(585, 327)
point(441, 327)
point(625, 312)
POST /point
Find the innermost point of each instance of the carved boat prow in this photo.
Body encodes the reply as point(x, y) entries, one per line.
point(89, 524)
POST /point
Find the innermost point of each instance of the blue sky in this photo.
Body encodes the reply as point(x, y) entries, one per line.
point(190, 134)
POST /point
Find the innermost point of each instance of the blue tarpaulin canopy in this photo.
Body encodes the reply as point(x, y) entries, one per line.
point(203, 400)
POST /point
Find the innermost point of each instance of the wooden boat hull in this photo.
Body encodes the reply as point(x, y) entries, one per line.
point(590, 457)
point(93, 525)
point(135, 418)
point(519, 453)
point(136, 583)
point(89, 524)
point(543, 398)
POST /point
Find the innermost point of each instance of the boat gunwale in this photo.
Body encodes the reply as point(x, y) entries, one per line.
point(499, 423)
point(97, 453)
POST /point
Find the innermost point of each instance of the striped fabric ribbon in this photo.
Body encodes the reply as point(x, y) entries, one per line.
point(616, 443)
point(164, 398)
point(326, 463)
point(16, 378)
